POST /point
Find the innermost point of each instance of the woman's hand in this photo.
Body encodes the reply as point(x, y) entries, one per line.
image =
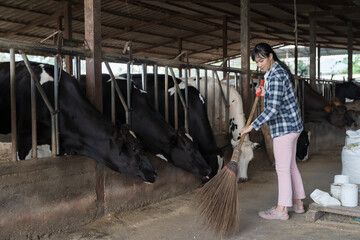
point(247, 129)
point(260, 89)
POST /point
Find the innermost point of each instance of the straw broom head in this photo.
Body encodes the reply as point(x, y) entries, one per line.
point(217, 201)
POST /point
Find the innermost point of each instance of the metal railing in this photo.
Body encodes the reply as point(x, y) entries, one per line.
point(81, 52)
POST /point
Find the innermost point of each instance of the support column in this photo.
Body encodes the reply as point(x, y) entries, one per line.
point(68, 34)
point(318, 61)
point(350, 51)
point(225, 40)
point(313, 53)
point(92, 15)
point(245, 55)
point(296, 60)
point(181, 57)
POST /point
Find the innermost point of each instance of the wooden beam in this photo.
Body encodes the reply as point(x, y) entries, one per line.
point(68, 33)
point(245, 55)
point(92, 19)
point(343, 11)
point(312, 38)
point(311, 2)
point(225, 44)
point(350, 51)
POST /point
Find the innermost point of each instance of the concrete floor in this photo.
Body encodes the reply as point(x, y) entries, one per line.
point(174, 219)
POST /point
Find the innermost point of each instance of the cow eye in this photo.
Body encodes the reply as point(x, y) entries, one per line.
point(134, 149)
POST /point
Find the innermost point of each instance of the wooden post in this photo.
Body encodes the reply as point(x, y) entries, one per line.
point(296, 61)
point(318, 61)
point(350, 51)
point(245, 55)
point(92, 15)
point(68, 34)
point(225, 40)
point(181, 57)
point(313, 53)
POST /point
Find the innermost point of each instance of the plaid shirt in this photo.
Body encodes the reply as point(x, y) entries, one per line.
point(281, 113)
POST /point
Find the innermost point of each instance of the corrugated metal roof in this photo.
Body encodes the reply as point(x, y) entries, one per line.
point(155, 27)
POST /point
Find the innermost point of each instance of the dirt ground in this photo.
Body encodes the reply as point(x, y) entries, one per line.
point(174, 219)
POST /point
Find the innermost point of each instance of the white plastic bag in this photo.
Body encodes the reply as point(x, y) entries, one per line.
point(324, 199)
point(350, 157)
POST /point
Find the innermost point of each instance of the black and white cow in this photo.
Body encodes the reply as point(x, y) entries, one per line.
point(199, 126)
point(154, 132)
point(236, 118)
point(83, 129)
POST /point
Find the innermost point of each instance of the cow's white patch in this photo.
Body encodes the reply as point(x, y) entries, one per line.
point(132, 133)
point(188, 135)
point(142, 91)
point(220, 163)
point(42, 152)
point(171, 91)
point(201, 98)
point(161, 156)
point(44, 76)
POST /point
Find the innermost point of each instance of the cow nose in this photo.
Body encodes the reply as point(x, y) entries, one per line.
point(151, 177)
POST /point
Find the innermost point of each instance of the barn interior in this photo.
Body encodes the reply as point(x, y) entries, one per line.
point(44, 197)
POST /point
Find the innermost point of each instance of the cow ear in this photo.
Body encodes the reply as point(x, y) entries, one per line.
point(336, 102)
point(328, 109)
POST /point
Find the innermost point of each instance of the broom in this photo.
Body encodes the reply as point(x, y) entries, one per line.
point(217, 201)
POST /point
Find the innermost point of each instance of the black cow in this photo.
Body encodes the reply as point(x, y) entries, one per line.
point(348, 90)
point(302, 146)
point(199, 125)
point(83, 129)
point(157, 136)
point(318, 109)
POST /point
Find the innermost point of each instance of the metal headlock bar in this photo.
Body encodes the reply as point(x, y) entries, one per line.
point(83, 52)
point(120, 95)
point(48, 104)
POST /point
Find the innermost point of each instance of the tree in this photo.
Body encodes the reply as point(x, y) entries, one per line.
point(355, 65)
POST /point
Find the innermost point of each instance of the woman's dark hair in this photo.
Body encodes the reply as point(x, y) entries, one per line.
point(263, 50)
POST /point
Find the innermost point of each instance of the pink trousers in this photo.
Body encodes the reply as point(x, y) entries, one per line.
point(289, 179)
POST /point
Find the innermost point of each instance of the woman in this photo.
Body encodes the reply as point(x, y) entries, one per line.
point(282, 115)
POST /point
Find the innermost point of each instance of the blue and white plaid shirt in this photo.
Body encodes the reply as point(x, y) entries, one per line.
point(281, 113)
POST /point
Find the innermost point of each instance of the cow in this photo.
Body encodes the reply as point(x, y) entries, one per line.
point(236, 118)
point(318, 109)
point(347, 90)
point(302, 146)
point(157, 136)
point(82, 128)
point(199, 126)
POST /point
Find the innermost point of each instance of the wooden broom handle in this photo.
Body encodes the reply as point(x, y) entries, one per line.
point(250, 117)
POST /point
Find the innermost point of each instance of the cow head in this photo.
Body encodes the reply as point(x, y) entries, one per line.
point(187, 156)
point(302, 146)
point(338, 115)
point(133, 160)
